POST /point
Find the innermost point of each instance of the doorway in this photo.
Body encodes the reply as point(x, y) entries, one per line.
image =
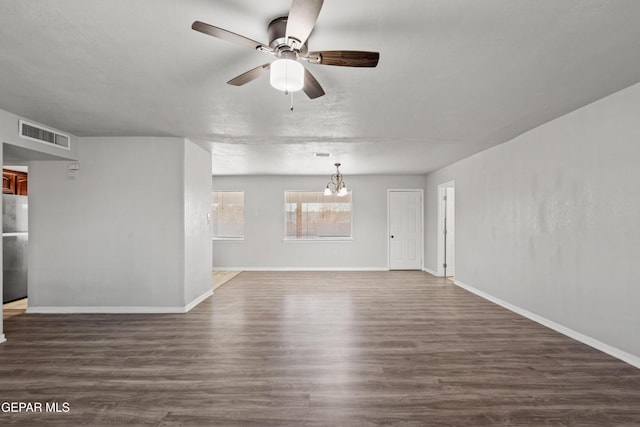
point(446, 229)
point(405, 229)
point(14, 236)
point(15, 230)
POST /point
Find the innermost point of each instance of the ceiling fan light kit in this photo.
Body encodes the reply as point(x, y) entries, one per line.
point(287, 75)
point(288, 42)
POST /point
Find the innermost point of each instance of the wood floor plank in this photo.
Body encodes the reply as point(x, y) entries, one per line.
point(219, 278)
point(14, 308)
point(314, 349)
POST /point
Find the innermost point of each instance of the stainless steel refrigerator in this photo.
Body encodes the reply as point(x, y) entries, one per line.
point(15, 237)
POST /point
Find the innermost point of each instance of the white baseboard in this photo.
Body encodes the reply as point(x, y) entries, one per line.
point(2, 338)
point(198, 300)
point(119, 310)
point(592, 342)
point(431, 272)
point(300, 269)
point(105, 310)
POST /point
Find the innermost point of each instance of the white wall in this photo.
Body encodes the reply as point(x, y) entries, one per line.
point(197, 205)
point(548, 221)
point(264, 248)
point(113, 239)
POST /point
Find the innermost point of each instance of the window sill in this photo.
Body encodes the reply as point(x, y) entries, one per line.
point(228, 239)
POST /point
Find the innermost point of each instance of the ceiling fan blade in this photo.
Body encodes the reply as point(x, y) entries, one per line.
point(345, 58)
point(250, 75)
point(302, 18)
point(228, 36)
point(311, 86)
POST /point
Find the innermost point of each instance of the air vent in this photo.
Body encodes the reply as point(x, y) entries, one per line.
point(40, 134)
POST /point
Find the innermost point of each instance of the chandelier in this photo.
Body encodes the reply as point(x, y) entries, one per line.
point(336, 184)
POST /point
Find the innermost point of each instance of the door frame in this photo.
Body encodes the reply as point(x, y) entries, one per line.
point(416, 190)
point(442, 188)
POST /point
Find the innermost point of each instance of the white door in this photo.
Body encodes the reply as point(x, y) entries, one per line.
point(405, 229)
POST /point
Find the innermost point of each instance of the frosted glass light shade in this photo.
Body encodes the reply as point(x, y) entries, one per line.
point(287, 75)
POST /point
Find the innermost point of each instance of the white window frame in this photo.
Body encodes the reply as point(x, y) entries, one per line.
point(287, 239)
point(244, 216)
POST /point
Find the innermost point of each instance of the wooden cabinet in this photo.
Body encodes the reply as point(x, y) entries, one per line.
point(8, 183)
point(21, 184)
point(14, 182)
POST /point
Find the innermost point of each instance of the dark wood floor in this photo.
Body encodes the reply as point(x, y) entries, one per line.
point(315, 349)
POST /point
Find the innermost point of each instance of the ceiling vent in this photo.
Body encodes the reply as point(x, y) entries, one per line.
point(38, 133)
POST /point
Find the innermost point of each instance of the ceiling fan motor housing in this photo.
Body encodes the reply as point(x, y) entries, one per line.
point(278, 40)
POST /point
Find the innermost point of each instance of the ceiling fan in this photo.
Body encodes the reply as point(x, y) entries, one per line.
point(288, 42)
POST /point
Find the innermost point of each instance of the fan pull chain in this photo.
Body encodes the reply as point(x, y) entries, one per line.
point(291, 101)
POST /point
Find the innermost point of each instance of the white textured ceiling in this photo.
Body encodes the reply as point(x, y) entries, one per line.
point(455, 76)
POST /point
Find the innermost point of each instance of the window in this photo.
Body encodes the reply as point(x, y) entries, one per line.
point(227, 214)
point(313, 216)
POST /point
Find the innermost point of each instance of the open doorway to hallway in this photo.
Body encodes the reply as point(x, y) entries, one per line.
point(446, 229)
